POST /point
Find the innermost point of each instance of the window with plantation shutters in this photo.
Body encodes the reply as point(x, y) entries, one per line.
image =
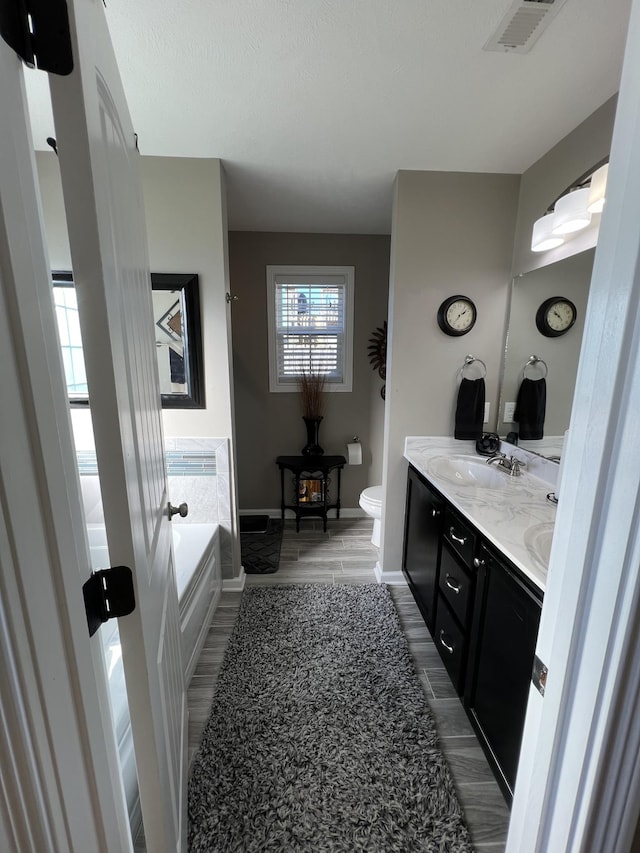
point(310, 315)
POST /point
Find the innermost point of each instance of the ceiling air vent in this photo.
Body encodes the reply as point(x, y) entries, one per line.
point(523, 25)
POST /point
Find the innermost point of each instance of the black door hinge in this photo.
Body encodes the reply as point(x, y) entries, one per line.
point(38, 31)
point(108, 593)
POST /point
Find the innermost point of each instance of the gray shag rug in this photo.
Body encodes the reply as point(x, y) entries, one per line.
point(320, 737)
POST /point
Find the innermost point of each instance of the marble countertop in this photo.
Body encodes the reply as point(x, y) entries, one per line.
point(509, 516)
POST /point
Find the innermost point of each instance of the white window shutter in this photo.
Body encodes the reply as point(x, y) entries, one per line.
point(310, 325)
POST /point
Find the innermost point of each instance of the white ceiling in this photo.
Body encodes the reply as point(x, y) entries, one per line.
point(314, 105)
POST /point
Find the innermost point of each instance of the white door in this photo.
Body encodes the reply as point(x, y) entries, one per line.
point(103, 201)
point(578, 785)
point(60, 787)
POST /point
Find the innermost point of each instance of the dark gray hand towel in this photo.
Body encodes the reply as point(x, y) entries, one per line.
point(530, 408)
point(470, 409)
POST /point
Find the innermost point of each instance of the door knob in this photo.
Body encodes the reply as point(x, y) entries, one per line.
point(182, 510)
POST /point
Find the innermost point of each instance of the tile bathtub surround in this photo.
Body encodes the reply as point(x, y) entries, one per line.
point(197, 474)
point(192, 475)
point(344, 554)
point(505, 515)
point(191, 463)
point(198, 470)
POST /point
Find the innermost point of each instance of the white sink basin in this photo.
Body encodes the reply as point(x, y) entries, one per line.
point(538, 540)
point(467, 471)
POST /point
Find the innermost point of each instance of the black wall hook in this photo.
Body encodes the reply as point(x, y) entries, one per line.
point(52, 144)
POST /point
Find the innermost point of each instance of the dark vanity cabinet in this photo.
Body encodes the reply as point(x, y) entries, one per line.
point(423, 528)
point(483, 615)
point(456, 589)
point(503, 640)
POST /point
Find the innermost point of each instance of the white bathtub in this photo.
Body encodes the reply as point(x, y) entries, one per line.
point(191, 542)
point(196, 551)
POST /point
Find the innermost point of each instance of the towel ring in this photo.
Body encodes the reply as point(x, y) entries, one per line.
point(534, 361)
point(469, 360)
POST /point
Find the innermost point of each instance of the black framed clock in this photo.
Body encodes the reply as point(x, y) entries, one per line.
point(555, 316)
point(457, 315)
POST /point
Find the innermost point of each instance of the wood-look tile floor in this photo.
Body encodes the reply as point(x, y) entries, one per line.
point(344, 554)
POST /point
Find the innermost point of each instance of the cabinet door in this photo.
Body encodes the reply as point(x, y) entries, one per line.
point(423, 526)
point(504, 640)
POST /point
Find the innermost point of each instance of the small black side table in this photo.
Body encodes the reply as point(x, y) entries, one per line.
point(311, 483)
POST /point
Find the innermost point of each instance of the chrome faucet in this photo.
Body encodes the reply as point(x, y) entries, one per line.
point(509, 463)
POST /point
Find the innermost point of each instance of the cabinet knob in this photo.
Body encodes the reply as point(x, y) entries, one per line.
point(435, 513)
point(477, 562)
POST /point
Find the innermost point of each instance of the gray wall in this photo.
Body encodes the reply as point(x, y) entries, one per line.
point(464, 233)
point(543, 182)
point(270, 424)
point(186, 230)
point(452, 233)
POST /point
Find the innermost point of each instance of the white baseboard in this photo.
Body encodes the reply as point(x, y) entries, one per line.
point(391, 578)
point(235, 584)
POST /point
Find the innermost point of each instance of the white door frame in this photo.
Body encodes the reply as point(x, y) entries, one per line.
point(59, 778)
point(578, 786)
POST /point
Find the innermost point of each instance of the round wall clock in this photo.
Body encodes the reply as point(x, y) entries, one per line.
point(555, 316)
point(456, 315)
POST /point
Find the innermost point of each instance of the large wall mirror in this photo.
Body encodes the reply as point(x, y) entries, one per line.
point(571, 278)
point(178, 336)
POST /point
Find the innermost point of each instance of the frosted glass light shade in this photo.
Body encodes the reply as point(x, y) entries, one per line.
point(543, 237)
point(571, 212)
point(597, 190)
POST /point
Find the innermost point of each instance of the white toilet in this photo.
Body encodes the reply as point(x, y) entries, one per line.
point(371, 503)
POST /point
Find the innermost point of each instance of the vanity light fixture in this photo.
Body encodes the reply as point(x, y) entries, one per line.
point(543, 237)
point(597, 190)
point(570, 213)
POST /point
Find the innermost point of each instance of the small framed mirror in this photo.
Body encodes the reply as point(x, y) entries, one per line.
point(178, 337)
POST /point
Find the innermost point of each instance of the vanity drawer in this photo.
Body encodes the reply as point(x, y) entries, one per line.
point(460, 536)
point(456, 586)
point(450, 642)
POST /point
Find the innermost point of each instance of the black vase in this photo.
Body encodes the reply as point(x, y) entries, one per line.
point(312, 448)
